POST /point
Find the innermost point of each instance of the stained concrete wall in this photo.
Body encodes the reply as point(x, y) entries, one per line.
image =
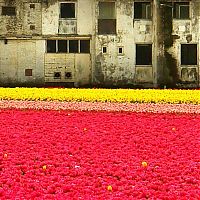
point(117, 69)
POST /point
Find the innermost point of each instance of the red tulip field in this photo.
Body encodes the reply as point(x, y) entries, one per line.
point(63, 154)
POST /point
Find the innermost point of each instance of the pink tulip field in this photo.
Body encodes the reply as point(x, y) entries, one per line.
point(99, 151)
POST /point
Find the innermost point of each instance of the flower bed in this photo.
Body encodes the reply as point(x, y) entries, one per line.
point(98, 155)
point(102, 95)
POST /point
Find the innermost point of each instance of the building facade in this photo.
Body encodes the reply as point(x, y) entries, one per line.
point(120, 43)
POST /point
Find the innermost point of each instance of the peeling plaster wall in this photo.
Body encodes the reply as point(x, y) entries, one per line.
point(112, 68)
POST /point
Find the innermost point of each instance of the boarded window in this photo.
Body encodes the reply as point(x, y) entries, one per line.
point(73, 46)
point(107, 18)
point(28, 72)
point(51, 46)
point(142, 10)
point(143, 54)
point(62, 46)
point(84, 46)
point(67, 10)
point(181, 10)
point(7, 10)
point(188, 54)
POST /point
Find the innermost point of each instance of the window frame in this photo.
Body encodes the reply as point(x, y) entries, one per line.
point(105, 21)
point(10, 14)
point(75, 10)
point(151, 59)
point(148, 4)
point(181, 4)
point(68, 46)
point(181, 62)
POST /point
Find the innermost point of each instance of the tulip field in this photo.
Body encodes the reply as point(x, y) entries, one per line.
point(99, 145)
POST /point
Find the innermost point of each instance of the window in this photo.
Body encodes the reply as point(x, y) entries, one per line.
point(62, 46)
point(73, 46)
point(142, 10)
point(84, 46)
point(188, 54)
point(68, 46)
point(104, 49)
point(120, 50)
point(143, 54)
point(32, 5)
point(107, 18)
point(67, 10)
point(32, 27)
point(181, 10)
point(7, 10)
point(51, 46)
point(28, 72)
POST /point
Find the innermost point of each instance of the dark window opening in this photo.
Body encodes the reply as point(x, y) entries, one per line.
point(28, 72)
point(120, 50)
point(104, 49)
point(57, 75)
point(51, 46)
point(6, 41)
point(188, 54)
point(181, 10)
point(143, 54)
point(67, 10)
point(32, 5)
point(68, 75)
point(10, 11)
point(107, 18)
point(84, 46)
point(107, 10)
point(62, 46)
point(73, 46)
point(107, 26)
point(32, 27)
point(142, 10)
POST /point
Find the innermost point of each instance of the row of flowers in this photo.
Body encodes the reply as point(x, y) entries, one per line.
point(98, 155)
point(102, 95)
point(101, 106)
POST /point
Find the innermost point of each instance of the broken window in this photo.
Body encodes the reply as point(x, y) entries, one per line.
point(107, 18)
point(62, 46)
point(84, 46)
point(73, 46)
point(142, 10)
point(189, 54)
point(143, 54)
point(51, 46)
point(7, 10)
point(181, 10)
point(28, 72)
point(67, 10)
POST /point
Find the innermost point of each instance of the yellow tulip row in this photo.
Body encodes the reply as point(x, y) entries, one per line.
point(102, 95)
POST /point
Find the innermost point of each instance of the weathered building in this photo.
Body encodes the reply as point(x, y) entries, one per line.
point(99, 43)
